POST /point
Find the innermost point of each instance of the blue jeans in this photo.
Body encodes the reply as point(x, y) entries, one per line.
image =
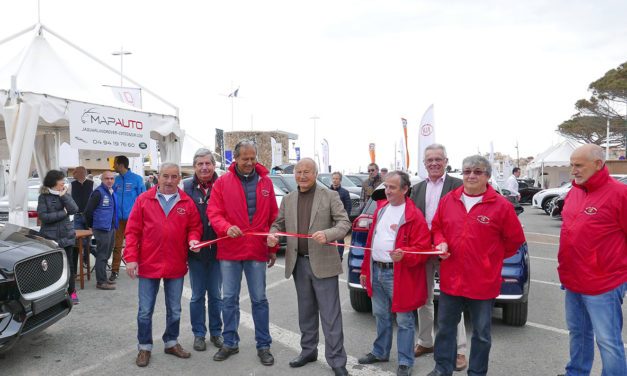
point(601, 315)
point(147, 291)
point(449, 314)
point(206, 280)
point(231, 283)
point(382, 291)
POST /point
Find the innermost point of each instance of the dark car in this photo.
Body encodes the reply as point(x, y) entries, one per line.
point(515, 275)
point(34, 276)
point(526, 190)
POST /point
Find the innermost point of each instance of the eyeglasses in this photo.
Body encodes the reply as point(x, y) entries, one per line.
point(369, 170)
point(432, 160)
point(475, 172)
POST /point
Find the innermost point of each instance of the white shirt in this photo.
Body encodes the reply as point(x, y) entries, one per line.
point(470, 201)
point(512, 185)
point(385, 232)
point(432, 198)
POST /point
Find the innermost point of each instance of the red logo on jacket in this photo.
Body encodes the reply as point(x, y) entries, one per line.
point(483, 219)
point(265, 192)
point(181, 211)
point(590, 210)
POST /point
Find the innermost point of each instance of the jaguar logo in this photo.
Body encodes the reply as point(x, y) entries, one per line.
point(590, 210)
point(44, 265)
point(483, 219)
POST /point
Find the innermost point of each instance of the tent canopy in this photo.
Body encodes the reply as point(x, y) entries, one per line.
point(555, 156)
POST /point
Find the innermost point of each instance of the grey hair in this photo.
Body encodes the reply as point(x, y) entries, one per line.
point(202, 152)
point(337, 173)
point(405, 181)
point(597, 153)
point(307, 159)
point(436, 147)
point(165, 165)
point(477, 160)
point(244, 144)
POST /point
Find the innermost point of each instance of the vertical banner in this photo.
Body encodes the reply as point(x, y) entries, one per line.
point(153, 156)
point(220, 144)
point(426, 137)
point(325, 155)
point(492, 157)
point(228, 157)
point(128, 95)
point(297, 150)
point(371, 150)
point(136, 164)
point(273, 152)
point(404, 148)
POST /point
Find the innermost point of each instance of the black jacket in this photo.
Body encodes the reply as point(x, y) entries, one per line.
point(345, 197)
point(54, 212)
point(419, 191)
point(190, 186)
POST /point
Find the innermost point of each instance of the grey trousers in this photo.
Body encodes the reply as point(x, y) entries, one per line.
point(319, 299)
point(104, 241)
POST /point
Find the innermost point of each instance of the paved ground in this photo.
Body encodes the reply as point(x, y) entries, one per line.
point(99, 335)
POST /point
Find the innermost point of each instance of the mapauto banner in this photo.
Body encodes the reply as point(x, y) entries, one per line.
point(94, 127)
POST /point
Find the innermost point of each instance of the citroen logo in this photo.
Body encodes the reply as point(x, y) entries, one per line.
point(44, 265)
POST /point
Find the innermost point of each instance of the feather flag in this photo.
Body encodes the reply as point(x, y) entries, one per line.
point(404, 148)
point(426, 137)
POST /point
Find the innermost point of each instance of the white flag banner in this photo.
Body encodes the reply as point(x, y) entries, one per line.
point(128, 95)
point(273, 148)
point(153, 155)
point(136, 164)
point(325, 156)
point(403, 161)
point(426, 137)
point(94, 127)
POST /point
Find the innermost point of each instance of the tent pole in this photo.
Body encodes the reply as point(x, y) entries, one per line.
point(18, 34)
point(112, 69)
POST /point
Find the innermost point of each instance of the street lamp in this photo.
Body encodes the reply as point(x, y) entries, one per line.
point(121, 53)
point(314, 118)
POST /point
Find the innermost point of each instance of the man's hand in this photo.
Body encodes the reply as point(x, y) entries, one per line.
point(272, 240)
point(131, 269)
point(234, 232)
point(362, 280)
point(272, 259)
point(193, 243)
point(443, 247)
point(320, 237)
point(397, 255)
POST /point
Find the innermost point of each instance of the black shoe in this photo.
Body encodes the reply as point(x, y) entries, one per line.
point(199, 344)
point(114, 276)
point(301, 360)
point(340, 371)
point(266, 358)
point(217, 341)
point(370, 358)
point(435, 372)
point(403, 370)
point(224, 353)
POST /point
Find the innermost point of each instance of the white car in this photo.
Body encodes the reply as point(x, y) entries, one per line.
point(542, 199)
point(33, 201)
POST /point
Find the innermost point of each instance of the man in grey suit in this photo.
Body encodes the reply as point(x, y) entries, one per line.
point(319, 212)
point(426, 195)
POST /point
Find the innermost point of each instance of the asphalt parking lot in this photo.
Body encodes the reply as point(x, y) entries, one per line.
point(99, 335)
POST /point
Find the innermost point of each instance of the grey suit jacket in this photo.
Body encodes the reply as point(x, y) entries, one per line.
point(327, 215)
point(419, 191)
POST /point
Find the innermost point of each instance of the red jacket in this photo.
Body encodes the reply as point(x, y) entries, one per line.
point(227, 207)
point(159, 244)
point(478, 242)
point(410, 282)
point(593, 241)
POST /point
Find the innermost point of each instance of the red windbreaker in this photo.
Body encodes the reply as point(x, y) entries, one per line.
point(478, 242)
point(159, 244)
point(410, 281)
point(593, 241)
point(227, 207)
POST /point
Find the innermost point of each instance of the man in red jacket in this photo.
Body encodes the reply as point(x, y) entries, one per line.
point(396, 281)
point(162, 223)
point(479, 228)
point(593, 263)
point(243, 200)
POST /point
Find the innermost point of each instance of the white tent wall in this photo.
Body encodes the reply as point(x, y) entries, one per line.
point(555, 163)
point(46, 154)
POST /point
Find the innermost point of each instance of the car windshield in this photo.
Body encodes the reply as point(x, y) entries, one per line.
point(291, 183)
point(327, 179)
point(33, 194)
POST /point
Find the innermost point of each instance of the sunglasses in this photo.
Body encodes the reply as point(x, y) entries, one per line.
point(475, 172)
point(372, 170)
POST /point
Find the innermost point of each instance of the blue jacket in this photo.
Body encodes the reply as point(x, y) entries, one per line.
point(127, 188)
point(345, 197)
point(101, 210)
point(190, 186)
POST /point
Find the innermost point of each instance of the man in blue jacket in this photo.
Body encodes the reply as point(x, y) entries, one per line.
point(204, 268)
point(127, 187)
point(345, 197)
point(102, 217)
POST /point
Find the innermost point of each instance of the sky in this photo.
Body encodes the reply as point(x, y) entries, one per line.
point(496, 71)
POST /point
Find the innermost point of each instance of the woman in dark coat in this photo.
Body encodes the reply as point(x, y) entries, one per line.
point(54, 209)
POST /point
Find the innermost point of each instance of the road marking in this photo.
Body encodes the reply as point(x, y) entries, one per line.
point(543, 258)
point(292, 340)
point(547, 283)
point(545, 243)
point(553, 329)
point(541, 234)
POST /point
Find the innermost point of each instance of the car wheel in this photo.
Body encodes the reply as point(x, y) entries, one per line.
point(360, 301)
point(546, 203)
point(515, 314)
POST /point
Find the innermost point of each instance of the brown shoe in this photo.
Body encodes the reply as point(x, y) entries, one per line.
point(105, 286)
point(143, 358)
point(177, 350)
point(461, 363)
point(421, 350)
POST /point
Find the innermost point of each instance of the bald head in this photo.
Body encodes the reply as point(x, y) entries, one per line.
point(586, 161)
point(80, 173)
point(305, 173)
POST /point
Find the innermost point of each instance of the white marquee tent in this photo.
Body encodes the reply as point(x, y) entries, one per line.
point(37, 88)
point(553, 164)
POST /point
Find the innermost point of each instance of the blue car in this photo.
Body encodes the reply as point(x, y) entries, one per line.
point(515, 276)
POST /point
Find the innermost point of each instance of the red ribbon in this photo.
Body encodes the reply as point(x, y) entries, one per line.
point(253, 233)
